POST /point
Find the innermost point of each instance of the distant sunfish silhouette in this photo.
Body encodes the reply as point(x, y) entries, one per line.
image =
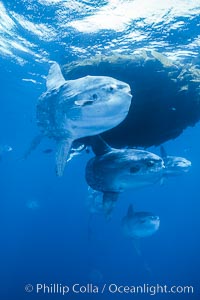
point(139, 225)
point(74, 109)
point(136, 225)
point(113, 171)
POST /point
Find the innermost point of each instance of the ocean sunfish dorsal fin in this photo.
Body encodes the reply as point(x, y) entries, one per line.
point(99, 146)
point(54, 78)
point(163, 152)
point(109, 201)
point(130, 211)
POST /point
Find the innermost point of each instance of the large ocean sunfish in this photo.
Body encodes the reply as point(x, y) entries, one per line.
point(74, 109)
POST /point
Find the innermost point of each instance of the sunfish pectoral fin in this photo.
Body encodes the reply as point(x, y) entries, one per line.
point(109, 201)
point(54, 78)
point(83, 102)
point(62, 154)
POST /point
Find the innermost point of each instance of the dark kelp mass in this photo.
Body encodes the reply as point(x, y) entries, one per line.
point(166, 95)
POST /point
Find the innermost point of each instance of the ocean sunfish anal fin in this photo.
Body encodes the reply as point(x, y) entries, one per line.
point(109, 201)
point(130, 212)
point(62, 154)
point(54, 78)
point(137, 247)
point(99, 146)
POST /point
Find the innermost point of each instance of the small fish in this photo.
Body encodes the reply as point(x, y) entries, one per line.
point(33, 204)
point(76, 149)
point(4, 149)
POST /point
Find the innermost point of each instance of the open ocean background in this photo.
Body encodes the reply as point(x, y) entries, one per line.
point(44, 219)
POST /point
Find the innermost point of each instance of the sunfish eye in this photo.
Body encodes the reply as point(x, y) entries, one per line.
point(150, 163)
point(94, 96)
point(111, 88)
point(142, 221)
point(134, 169)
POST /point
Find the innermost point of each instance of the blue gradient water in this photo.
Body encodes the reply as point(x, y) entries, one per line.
point(44, 219)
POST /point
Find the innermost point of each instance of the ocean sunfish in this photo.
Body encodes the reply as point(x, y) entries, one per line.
point(139, 225)
point(136, 225)
point(174, 165)
point(73, 109)
point(113, 171)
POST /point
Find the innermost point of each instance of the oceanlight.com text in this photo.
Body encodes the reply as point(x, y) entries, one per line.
point(76, 288)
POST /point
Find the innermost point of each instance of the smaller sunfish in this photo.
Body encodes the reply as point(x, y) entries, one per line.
point(136, 225)
point(174, 165)
point(113, 171)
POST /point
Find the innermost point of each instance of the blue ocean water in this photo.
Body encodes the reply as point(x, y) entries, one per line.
point(44, 219)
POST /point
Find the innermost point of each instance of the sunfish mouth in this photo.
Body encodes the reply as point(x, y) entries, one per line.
point(155, 220)
point(124, 88)
point(184, 165)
